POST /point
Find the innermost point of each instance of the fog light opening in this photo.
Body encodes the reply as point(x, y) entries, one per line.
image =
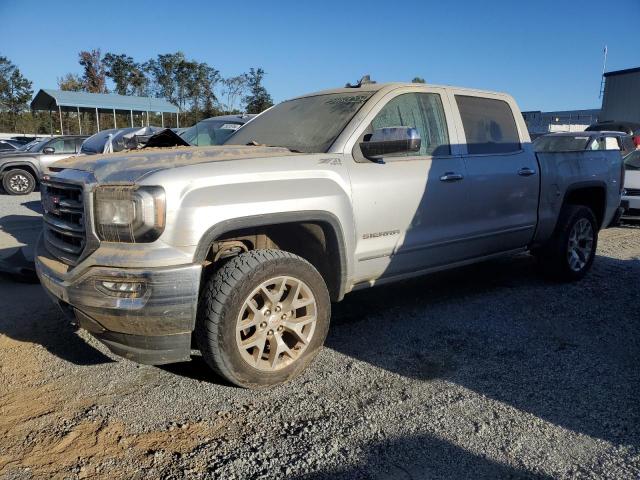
point(126, 289)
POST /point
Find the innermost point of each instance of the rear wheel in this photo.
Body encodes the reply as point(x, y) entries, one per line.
point(18, 182)
point(572, 249)
point(263, 317)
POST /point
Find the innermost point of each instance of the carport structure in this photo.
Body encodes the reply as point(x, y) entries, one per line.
point(100, 103)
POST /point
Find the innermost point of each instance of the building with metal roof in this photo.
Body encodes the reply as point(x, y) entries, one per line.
point(101, 103)
point(539, 123)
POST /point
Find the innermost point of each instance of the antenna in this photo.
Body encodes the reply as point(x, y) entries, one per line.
point(604, 67)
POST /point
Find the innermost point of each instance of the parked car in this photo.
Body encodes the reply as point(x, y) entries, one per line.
point(578, 141)
point(214, 130)
point(631, 195)
point(242, 247)
point(9, 145)
point(21, 170)
point(630, 128)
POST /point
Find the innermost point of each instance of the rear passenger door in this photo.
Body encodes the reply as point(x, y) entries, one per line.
point(502, 173)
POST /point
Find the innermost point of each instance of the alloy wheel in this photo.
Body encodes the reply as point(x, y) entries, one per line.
point(580, 245)
point(276, 323)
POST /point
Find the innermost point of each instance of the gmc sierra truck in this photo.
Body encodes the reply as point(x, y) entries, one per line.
point(238, 250)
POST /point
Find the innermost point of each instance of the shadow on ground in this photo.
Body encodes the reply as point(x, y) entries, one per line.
point(29, 316)
point(566, 353)
point(21, 233)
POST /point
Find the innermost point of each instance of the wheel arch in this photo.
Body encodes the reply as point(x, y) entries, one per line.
point(328, 233)
point(591, 194)
point(23, 165)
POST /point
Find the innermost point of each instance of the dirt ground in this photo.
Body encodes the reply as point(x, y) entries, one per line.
point(485, 372)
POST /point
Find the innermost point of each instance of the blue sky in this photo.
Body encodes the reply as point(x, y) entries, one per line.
point(548, 54)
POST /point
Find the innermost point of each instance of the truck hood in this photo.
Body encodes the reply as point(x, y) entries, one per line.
point(128, 167)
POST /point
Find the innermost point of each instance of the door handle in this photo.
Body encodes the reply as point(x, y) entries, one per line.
point(526, 172)
point(451, 177)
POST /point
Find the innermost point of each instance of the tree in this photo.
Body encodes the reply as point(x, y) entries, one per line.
point(15, 90)
point(258, 99)
point(71, 82)
point(186, 83)
point(127, 74)
point(210, 101)
point(201, 83)
point(418, 80)
point(94, 77)
point(233, 89)
point(163, 72)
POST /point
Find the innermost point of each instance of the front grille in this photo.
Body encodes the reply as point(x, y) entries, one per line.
point(633, 192)
point(63, 214)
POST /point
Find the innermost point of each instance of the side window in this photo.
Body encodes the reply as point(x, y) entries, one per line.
point(611, 143)
point(489, 125)
point(422, 111)
point(63, 145)
point(69, 145)
point(57, 144)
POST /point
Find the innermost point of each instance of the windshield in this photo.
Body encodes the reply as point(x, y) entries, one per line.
point(309, 124)
point(210, 132)
point(561, 143)
point(632, 161)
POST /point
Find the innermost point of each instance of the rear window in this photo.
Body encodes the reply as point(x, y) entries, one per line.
point(489, 125)
point(562, 143)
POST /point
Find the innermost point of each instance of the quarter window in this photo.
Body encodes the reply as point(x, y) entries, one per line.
point(489, 125)
point(422, 111)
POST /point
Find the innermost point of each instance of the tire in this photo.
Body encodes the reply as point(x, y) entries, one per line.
point(572, 249)
point(18, 182)
point(233, 296)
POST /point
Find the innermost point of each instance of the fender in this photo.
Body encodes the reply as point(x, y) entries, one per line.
point(280, 218)
point(18, 163)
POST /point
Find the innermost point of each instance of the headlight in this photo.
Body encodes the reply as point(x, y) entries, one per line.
point(129, 214)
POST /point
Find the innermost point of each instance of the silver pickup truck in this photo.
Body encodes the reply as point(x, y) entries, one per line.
point(239, 249)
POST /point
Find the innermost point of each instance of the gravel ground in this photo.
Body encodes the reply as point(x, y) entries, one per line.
point(484, 372)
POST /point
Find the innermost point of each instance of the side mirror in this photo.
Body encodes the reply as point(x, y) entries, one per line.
point(49, 150)
point(390, 140)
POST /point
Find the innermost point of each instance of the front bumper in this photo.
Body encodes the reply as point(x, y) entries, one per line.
point(154, 328)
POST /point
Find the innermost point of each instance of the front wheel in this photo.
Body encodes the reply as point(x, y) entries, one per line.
point(18, 182)
point(572, 249)
point(263, 317)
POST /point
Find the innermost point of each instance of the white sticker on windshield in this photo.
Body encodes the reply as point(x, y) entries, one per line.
point(230, 126)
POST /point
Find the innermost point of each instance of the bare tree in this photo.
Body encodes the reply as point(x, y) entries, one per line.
point(233, 90)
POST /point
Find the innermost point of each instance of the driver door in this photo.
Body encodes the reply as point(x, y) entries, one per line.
point(64, 147)
point(412, 210)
